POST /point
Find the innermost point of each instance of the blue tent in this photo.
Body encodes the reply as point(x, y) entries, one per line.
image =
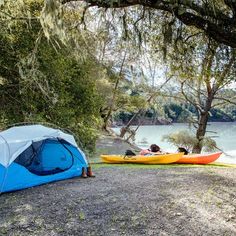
point(34, 155)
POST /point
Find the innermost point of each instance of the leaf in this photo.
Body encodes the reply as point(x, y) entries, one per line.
point(81, 216)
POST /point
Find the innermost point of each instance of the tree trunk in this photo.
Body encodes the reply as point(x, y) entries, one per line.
point(202, 124)
point(140, 111)
point(123, 130)
point(133, 133)
point(197, 148)
point(111, 107)
point(106, 119)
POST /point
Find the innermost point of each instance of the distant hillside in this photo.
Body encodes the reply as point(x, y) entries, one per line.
point(173, 113)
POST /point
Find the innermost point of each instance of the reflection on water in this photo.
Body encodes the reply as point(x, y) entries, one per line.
point(224, 133)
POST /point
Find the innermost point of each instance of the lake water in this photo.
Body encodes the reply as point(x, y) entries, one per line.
point(225, 132)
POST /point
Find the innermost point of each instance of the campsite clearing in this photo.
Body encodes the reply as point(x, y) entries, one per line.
point(127, 201)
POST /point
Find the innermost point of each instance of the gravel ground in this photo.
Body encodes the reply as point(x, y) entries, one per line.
point(127, 200)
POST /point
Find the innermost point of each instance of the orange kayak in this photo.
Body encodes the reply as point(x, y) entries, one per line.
point(199, 158)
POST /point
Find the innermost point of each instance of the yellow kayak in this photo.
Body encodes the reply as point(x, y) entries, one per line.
point(155, 159)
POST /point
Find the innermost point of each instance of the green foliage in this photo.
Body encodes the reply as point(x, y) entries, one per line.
point(181, 139)
point(131, 103)
point(184, 113)
point(176, 112)
point(44, 80)
point(187, 140)
point(209, 144)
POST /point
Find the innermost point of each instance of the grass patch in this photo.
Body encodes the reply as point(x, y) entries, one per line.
point(223, 164)
point(162, 166)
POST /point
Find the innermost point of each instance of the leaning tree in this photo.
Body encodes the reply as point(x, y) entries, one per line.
point(203, 70)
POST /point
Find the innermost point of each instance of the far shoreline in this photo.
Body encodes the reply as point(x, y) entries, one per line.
point(172, 123)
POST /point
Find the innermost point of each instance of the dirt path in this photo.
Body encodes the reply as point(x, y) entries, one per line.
point(127, 201)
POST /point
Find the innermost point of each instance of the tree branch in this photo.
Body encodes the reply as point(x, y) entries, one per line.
point(226, 70)
point(227, 100)
point(198, 106)
point(213, 21)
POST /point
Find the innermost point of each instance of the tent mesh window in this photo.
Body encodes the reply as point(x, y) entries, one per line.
point(27, 157)
point(46, 157)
